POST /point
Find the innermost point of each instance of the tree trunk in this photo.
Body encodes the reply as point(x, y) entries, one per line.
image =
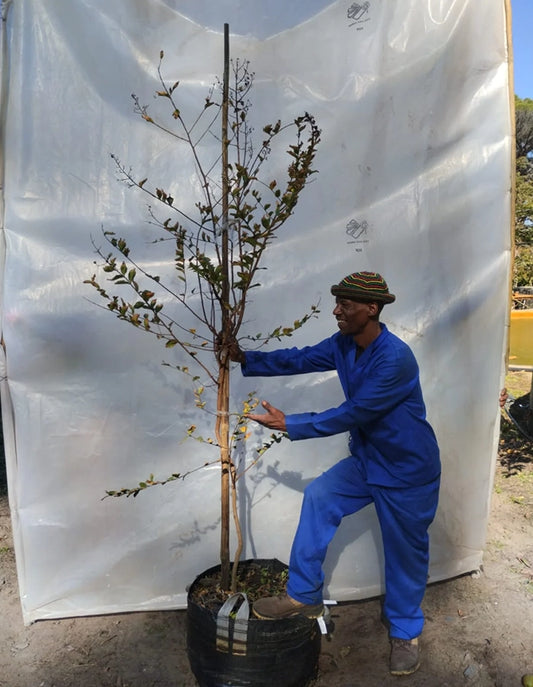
point(222, 433)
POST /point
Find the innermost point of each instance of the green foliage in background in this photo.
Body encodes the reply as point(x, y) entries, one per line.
point(523, 263)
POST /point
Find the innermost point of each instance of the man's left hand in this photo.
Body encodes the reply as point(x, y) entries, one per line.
point(273, 418)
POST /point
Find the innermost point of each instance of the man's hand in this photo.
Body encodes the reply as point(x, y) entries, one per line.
point(273, 418)
point(503, 397)
point(235, 352)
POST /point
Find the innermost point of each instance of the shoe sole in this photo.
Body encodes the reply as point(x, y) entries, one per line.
point(410, 671)
point(293, 614)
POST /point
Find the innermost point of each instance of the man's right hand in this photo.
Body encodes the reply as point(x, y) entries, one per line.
point(235, 352)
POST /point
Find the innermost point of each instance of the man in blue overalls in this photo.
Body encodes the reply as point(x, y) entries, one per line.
point(394, 461)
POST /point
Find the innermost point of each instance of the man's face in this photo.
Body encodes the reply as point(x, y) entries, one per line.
point(353, 316)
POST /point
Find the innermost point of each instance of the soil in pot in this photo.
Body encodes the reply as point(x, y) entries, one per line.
point(239, 650)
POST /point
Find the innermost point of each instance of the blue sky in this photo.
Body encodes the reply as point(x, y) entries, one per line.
point(522, 12)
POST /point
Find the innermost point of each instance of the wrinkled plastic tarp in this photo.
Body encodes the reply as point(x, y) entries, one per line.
point(414, 181)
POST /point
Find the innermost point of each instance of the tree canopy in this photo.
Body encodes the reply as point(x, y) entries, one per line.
point(523, 264)
point(524, 126)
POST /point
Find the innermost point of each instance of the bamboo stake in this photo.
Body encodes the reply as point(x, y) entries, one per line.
point(223, 380)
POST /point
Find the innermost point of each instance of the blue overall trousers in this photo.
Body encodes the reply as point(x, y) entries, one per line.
point(404, 514)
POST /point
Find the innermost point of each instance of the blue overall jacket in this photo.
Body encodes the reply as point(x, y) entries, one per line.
point(384, 410)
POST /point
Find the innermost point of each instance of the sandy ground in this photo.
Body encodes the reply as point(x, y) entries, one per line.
point(479, 629)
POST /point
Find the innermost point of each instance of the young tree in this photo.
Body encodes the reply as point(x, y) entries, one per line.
point(217, 253)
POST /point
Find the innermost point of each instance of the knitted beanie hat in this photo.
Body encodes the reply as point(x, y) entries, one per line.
point(364, 286)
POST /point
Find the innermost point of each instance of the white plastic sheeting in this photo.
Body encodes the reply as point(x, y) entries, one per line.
point(415, 168)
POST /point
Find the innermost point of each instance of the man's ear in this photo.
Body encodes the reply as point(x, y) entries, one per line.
point(373, 309)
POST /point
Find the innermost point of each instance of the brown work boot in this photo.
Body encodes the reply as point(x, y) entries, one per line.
point(404, 656)
point(282, 606)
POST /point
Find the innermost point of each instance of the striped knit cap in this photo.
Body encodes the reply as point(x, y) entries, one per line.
point(364, 286)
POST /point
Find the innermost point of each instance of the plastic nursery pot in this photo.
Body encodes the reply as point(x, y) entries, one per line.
point(228, 646)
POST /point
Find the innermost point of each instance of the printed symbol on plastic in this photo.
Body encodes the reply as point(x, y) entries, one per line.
point(358, 232)
point(356, 229)
point(357, 11)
